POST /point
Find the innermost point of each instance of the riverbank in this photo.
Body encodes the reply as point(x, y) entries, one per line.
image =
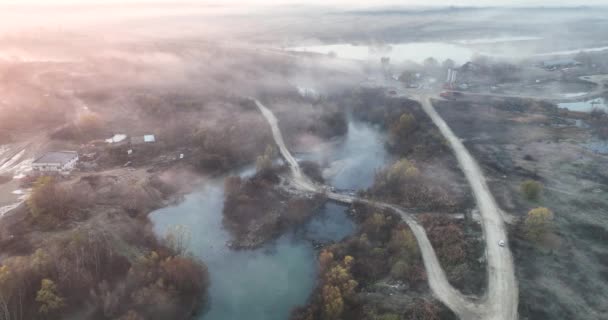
point(89, 239)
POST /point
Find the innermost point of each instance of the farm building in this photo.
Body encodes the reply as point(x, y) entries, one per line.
point(56, 162)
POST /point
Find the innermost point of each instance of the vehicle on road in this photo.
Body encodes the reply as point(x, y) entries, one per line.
point(501, 243)
point(450, 95)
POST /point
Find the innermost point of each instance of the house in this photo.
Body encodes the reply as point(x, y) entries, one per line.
point(55, 162)
point(149, 138)
point(559, 64)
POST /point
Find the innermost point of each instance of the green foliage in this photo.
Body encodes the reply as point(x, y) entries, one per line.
point(389, 316)
point(531, 189)
point(538, 223)
point(48, 297)
point(375, 222)
point(402, 170)
point(333, 304)
point(338, 285)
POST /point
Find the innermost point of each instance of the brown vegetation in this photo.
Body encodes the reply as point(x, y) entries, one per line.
point(538, 223)
point(100, 261)
point(598, 119)
point(458, 252)
point(531, 189)
point(403, 184)
point(383, 249)
point(257, 209)
point(411, 132)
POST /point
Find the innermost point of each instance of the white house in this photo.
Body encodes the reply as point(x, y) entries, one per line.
point(56, 162)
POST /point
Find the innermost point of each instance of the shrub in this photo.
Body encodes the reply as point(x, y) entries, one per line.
point(531, 189)
point(538, 223)
point(48, 297)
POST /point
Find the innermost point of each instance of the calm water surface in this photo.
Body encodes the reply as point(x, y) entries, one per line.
point(262, 284)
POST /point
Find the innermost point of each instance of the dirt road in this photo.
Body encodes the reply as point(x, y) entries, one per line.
point(501, 300)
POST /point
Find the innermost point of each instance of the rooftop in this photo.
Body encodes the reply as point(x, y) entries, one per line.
point(57, 157)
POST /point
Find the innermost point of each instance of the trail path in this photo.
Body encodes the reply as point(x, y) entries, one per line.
point(501, 299)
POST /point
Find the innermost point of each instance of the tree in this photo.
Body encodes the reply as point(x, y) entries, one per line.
point(431, 63)
point(375, 222)
point(531, 189)
point(538, 223)
point(185, 274)
point(48, 297)
point(402, 170)
point(403, 127)
point(89, 123)
point(400, 270)
point(403, 243)
point(333, 304)
point(178, 239)
point(47, 198)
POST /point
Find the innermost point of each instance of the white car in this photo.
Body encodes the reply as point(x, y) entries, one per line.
point(501, 243)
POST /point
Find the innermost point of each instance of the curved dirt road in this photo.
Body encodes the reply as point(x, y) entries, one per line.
point(501, 299)
point(500, 302)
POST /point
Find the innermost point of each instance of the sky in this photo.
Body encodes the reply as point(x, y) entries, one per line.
point(343, 3)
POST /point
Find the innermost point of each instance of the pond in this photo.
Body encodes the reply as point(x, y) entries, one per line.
point(353, 162)
point(585, 106)
point(261, 284)
point(267, 283)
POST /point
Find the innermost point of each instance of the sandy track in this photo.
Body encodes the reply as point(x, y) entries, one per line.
point(501, 300)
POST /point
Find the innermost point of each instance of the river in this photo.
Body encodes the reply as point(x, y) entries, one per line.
point(266, 283)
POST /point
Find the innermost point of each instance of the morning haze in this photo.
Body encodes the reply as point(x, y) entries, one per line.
point(330, 160)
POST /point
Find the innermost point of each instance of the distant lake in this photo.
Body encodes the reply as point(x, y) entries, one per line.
point(417, 51)
point(585, 106)
point(460, 51)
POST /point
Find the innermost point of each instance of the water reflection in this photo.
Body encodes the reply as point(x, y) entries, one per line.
point(262, 284)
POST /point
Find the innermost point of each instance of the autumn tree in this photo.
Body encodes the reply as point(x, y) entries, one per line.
point(374, 223)
point(531, 189)
point(47, 296)
point(538, 223)
point(430, 63)
point(185, 274)
point(89, 123)
point(338, 285)
point(403, 127)
point(402, 170)
point(48, 199)
point(333, 304)
point(404, 249)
